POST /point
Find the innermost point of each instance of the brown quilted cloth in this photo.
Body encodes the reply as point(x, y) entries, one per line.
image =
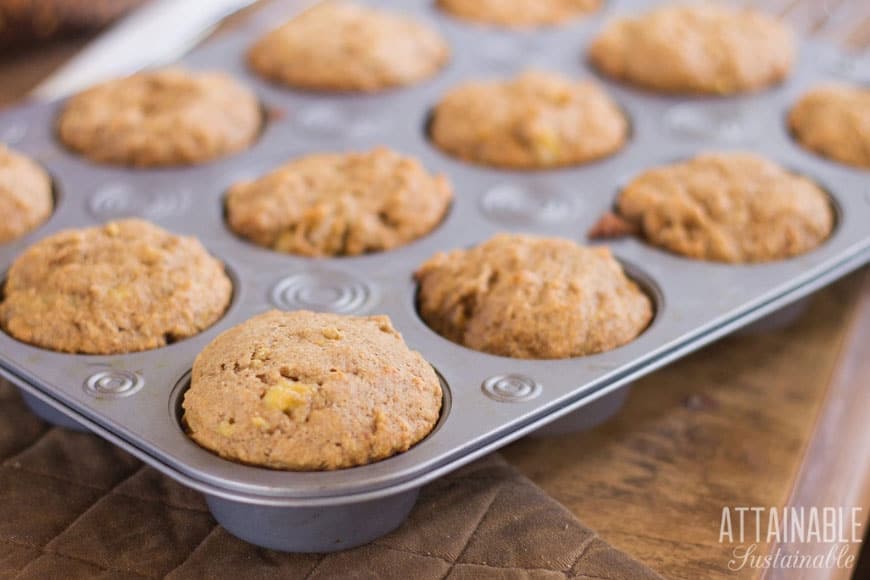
point(74, 506)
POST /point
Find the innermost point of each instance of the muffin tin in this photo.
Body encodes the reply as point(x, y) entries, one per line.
point(133, 400)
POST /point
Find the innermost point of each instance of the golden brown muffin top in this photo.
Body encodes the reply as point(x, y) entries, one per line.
point(26, 197)
point(696, 48)
point(342, 46)
point(158, 118)
point(519, 13)
point(123, 287)
point(728, 207)
point(834, 121)
point(532, 297)
point(340, 204)
point(310, 391)
point(536, 120)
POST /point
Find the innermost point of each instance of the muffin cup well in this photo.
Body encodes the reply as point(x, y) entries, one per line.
point(313, 529)
point(589, 417)
point(309, 529)
point(785, 317)
point(49, 414)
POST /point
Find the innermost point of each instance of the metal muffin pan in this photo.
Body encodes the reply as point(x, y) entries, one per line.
point(132, 400)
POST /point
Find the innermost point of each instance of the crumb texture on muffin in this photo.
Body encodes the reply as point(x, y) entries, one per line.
point(536, 120)
point(311, 391)
point(335, 204)
point(532, 297)
point(123, 287)
point(519, 13)
point(834, 121)
point(161, 118)
point(25, 195)
point(728, 207)
point(342, 46)
point(705, 48)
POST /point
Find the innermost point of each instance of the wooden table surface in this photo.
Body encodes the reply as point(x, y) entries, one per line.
point(773, 419)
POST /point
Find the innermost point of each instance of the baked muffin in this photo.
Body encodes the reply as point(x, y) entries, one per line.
point(310, 391)
point(341, 46)
point(702, 48)
point(160, 118)
point(532, 297)
point(834, 121)
point(519, 13)
point(336, 204)
point(728, 207)
point(536, 120)
point(25, 195)
point(123, 287)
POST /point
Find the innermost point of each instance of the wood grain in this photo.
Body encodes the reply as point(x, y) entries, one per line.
point(836, 463)
point(727, 426)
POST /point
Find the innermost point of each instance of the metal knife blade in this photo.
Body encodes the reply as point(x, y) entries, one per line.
point(157, 33)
